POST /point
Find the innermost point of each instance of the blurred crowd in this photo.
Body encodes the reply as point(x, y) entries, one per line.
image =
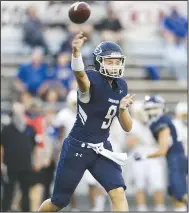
point(175, 30)
point(33, 132)
point(52, 80)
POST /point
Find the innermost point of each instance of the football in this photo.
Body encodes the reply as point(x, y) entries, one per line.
point(79, 12)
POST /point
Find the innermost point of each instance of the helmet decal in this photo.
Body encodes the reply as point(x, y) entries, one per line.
point(97, 50)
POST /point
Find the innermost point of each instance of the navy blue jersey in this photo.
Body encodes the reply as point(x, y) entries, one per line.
point(164, 121)
point(95, 117)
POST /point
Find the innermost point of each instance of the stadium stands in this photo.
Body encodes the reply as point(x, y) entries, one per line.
point(143, 46)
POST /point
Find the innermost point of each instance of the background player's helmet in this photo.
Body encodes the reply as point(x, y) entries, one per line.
point(109, 49)
point(72, 99)
point(181, 111)
point(154, 105)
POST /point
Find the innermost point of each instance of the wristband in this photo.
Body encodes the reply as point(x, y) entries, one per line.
point(77, 64)
point(123, 108)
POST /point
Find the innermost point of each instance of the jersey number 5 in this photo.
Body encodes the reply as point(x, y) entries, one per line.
point(109, 116)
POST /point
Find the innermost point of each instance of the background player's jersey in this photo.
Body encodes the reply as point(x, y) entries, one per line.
point(159, 123)
point(66, 117)
point(95, 117)
point(147, 142)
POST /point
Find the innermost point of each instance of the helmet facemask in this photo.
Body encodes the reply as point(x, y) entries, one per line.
point(153, 110)
point(112, 71)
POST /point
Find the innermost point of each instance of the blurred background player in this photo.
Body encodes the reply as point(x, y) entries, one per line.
point(148, 176)
point(170, 146)
point(64, 121)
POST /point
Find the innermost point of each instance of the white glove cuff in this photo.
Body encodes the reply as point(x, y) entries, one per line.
point(77, 64)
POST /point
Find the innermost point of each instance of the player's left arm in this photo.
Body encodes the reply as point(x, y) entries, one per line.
point(124, 117)
point(163, 143)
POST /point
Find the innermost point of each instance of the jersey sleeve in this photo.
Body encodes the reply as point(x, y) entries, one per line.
point(159, 125)
point(91, 75)
point(85, 97)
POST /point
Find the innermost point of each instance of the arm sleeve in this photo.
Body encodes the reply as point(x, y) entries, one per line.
point(85, 97)
point(159, 127)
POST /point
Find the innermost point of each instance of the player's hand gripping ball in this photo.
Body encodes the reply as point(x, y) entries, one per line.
point(79, 12)
point(126, 101)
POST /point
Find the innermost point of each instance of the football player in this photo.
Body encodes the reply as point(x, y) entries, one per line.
point(140, 139)
point(102, 95)
point(169, 145)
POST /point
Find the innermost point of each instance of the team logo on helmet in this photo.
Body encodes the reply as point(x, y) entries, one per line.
point(98, 50)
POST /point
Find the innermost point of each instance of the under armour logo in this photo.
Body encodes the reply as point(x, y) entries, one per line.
point(78, 155)
point(120, 91)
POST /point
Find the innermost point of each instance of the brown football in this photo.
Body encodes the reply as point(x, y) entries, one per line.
point(79, 12)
